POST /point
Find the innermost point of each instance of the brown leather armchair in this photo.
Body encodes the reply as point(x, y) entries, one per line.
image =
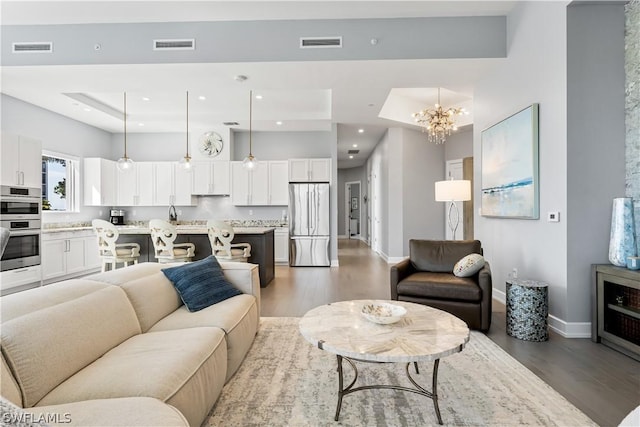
point(426, 277)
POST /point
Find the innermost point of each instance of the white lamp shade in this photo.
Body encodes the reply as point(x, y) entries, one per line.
point(453, 190)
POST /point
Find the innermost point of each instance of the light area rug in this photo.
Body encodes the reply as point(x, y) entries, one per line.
point(285, 381)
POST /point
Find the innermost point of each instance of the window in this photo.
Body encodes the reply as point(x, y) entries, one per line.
point(60, 189)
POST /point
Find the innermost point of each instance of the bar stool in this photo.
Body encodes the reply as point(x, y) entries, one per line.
point(163, 234)
point(220, 236)
point(111, 252)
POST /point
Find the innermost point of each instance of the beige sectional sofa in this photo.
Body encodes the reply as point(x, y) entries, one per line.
point(120, 348)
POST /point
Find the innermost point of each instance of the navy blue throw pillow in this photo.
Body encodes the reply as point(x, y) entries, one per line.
point(201, 283)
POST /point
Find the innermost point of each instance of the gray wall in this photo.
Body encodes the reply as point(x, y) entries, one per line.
point(423, 165)
point(595, 153)
point(459, 144)
point(282, 145)
point(258, 41)
point(403, 168)
point(534, 71)
point(632, 68)
point(58, 134)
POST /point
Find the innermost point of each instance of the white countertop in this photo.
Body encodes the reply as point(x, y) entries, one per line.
point(182, 229)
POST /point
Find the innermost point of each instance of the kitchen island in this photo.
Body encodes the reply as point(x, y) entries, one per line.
point(260, 239)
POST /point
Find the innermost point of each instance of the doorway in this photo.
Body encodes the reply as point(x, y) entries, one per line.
point(353, 209)
point(453, 170)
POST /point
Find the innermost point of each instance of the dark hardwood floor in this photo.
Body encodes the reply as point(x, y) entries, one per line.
point(599, 381)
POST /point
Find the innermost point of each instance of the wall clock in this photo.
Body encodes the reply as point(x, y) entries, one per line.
point(210, 144)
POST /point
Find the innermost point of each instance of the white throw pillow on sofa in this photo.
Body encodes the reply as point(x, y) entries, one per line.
point(469, 265)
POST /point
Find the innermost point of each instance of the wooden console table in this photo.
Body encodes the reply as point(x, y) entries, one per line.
point(616, 308)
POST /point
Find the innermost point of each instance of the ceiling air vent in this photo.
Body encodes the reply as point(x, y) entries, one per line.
point(230, 123)
point(33, 47)
point(319, 42)
point(353, 151)
point(174, 44)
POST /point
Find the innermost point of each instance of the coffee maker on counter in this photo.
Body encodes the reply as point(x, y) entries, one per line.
point(117, 217)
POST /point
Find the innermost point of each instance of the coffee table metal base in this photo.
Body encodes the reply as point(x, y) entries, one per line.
point(343, 391)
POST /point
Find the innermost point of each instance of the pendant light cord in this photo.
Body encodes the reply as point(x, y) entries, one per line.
point(125, 126)
point(187, 125)
point(250, 120)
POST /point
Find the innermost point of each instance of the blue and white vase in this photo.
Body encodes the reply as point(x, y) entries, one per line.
point(623, 236)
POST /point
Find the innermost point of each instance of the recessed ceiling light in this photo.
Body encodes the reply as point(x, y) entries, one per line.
point(87, 109)
point(351, 157)
point(258, 96)
point(360, 130)
point(140, 124)
point(371, 105)
point(202, 98)
point(145, 98)
point(279, 123)
point(355, 145)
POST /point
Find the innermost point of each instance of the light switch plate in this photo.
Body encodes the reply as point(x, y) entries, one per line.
point(553, 216)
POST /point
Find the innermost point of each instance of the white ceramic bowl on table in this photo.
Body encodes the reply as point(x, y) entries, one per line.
point(383, 312)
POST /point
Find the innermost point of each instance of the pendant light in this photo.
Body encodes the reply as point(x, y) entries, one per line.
point(125, 164)
point(250, 162)
point(185, 162)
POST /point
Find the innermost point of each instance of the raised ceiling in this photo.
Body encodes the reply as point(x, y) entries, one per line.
point(303, 95)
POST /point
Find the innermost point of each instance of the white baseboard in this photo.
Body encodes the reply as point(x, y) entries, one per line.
point(392, 259)
point(334, 263)
point(342, 236)
point(565, 329)
point(570, 329)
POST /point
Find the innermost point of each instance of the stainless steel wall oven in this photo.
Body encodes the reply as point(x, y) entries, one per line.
point(20, 212)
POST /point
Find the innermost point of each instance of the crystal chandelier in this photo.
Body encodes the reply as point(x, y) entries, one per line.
point(438, 122)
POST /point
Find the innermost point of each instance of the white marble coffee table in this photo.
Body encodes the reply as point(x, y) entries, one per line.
point(425, 334)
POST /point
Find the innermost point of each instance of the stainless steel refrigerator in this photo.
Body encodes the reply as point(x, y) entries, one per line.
point(309, 224)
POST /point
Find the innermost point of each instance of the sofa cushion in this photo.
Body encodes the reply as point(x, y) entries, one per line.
point(440, 286)
point(440, 255)
point(125, 411)
point(8, 386)
point(237, 316)
point(47, 346)
point(468, 266)
point(20, 303)
point(184, 368)
point(201, 283)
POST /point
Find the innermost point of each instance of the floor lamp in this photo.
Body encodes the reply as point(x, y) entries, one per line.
point(453, 190)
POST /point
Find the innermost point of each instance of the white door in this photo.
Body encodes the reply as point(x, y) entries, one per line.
point(54, 258)
point(31, 162)
point(75, 255)
point(298, 170)
point(183, 186)
point(10, 148)
point(163, 184)
point(221, 178)
point(260, 184)
point(91, 253)
point(127, 186)
point(202, 177)
point(320, 170)
point(278, 183)
point(239, 184)
point(145, 184)
point(454, 171)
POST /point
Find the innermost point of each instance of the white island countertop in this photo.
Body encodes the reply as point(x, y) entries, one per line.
point(182, 229)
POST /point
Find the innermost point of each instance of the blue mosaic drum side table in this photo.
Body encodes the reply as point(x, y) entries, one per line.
point(527, 309)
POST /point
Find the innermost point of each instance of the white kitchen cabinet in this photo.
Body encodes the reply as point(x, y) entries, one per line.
point(21, 161)
point(182, 186)
point(100, 182)
point(309, 170)
point(279, 183)
point(263, 186)
point(135, 187)
point(172, 185)
point(211, 178)
point(281, 245)
point(68, 254)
